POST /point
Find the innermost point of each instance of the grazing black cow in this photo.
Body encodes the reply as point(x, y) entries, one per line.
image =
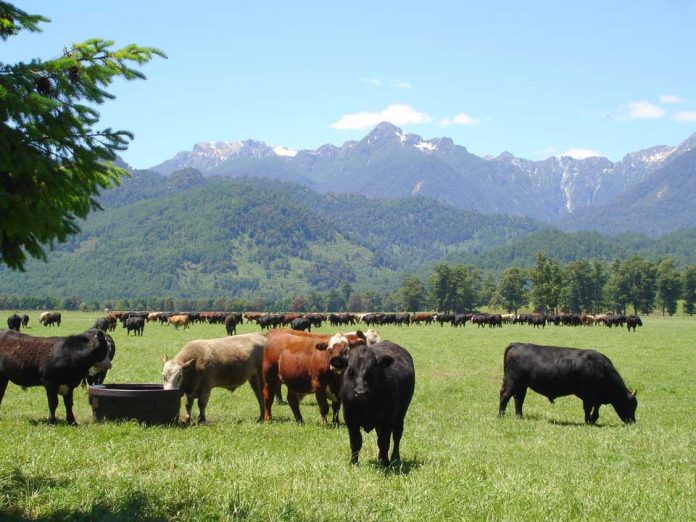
point(14, 322)
point(135, 324)
point(25, 321)
point(444, 318)
point(377, 388)
point(632, 321)
point(555, 372)
point(231, 323)
point(56, 363)
point(95, 377)
point(461, 319)
point(301, 324)
point(102, 324)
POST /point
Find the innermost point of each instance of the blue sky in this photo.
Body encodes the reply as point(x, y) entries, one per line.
point(536, 79)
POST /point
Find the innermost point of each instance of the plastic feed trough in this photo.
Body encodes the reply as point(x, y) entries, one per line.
point(147, 403)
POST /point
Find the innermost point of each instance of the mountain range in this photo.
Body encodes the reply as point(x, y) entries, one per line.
point(648, 191)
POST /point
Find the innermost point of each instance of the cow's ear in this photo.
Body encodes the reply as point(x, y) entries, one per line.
point(360, 335)
point(321, 346)
point(385, 361)
point(187, 363)
point(339, 363)
point(164, 358)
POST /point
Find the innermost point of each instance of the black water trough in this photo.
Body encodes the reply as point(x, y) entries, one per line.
point(147, 403)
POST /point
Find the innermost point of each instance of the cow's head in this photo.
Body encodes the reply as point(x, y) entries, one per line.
point(626, 409)
point(173, 372)
point(363, 372)
point(97, 346)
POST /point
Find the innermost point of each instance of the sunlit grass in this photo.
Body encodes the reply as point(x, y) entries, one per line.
point(459, 460)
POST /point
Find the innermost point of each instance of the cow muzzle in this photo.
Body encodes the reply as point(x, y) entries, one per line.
point(100, 366)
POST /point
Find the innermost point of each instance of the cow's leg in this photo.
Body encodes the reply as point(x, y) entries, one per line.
point(323, 406)
point(505, 396)
point(520, 394)
point(3, 386)
point(203, 398)
point(587, 406)
point(336, 408)
point(294, 402)
point(255, 383)
point(383, 436)
point(68, 402)
point(397, 432)
point(270, 384)
point(52, 396)
point(189, 407)
point(595, 413)
point(279, 393)
point(355, 443)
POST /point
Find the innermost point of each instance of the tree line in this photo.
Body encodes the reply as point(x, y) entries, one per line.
point(582, 286)
point(634, 285)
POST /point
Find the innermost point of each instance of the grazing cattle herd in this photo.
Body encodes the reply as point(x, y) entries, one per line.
point(374, 380)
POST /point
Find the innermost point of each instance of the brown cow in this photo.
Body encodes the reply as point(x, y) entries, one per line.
point(426, 318)
point(179, 320)
point(300, 360)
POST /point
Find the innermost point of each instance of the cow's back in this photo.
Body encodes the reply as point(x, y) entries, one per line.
point(557, 371)
point(400, 375)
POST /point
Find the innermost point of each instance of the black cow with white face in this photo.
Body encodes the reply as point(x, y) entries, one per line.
point(556, 372)
point(377, 388)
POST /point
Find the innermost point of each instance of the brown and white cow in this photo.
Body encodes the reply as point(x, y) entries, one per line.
point(301, 361)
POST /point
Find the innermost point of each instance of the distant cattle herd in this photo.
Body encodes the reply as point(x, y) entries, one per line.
point(373, 379)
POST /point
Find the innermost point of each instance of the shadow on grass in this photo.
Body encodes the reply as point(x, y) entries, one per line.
point(16, 484)
point(401, 467)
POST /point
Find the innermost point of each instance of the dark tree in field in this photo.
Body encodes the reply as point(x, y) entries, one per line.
point(668, 286)
point(512, 292)
point(689, 289)
point(53, 159)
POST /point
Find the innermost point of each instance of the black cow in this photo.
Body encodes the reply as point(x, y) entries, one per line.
point(25, 321)
point(301, 324)
point(96, 377)
point(461, 319)
point(231, 323)
point(555, 372)
point(444, 318)
point(102, 324)
point(377, 388)
point(632, 321)
point(135, 324)
point(56, 363)
point(14, 322)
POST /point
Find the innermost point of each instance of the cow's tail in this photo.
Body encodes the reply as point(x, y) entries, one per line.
point(505, 354)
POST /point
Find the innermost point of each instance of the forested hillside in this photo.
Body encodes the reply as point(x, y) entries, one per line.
point(187, 236)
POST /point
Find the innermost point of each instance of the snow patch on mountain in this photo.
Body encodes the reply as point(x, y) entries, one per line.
point(284, 151)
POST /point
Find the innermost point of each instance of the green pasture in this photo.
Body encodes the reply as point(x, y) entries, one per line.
point(460, 462)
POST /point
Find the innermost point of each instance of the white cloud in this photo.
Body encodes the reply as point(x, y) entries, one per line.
point(670, 98)
point(644, 110)
point(400, 84)
point(397, 114)
point(581, 153)
point(688, 116)
point(460, 119)
point(376, 82)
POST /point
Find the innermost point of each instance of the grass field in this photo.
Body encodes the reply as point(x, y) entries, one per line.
point(460, 462)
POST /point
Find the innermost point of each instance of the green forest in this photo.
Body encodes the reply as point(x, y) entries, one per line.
point(198, 241)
